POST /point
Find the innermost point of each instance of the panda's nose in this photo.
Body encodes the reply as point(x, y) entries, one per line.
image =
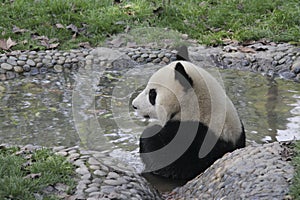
point(134, 107)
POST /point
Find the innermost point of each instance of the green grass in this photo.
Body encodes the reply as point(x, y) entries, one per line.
point(23, 174)
point(208, 21)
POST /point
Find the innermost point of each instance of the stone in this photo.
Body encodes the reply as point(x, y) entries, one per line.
point(93, 161)
point(18, 69)
point(21, 63)
point(22, 58)
point(82, 170)
point(157, 60)
point(39, 65)
point(30, 63)
point(92, 189)
point(2, 77)
point(58, 68)
point(6, 66)
point(296, 67)
point(10, 75)
point(34, 71)
point(145, 55)
point(11, 62)
point(112, 182)
point(140, 60)
point(135, 57)
point(166, 60)
point(100, 173)
point(287, 75)
point(43, 70)
point(113, 175)
point(282, 61)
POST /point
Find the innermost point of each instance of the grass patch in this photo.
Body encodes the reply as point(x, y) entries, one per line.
point(71, 22)
point(26, 175)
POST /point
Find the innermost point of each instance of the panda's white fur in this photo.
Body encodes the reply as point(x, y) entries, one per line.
point(183, 92)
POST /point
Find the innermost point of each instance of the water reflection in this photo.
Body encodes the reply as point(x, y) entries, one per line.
point(38, 110)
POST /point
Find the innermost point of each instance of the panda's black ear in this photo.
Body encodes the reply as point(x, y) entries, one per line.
point(183, 78)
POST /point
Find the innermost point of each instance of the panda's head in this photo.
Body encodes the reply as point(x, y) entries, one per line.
point(168, 90)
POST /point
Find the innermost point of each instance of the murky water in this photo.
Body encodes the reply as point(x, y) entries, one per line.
point(38, 110)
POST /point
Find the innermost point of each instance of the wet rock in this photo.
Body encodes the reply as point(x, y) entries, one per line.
point(296, 67)
point(287, 75)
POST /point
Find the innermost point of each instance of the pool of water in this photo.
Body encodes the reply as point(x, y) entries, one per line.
point(93, 109)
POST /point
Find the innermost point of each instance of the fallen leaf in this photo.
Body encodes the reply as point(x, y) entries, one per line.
point(33, 176)
point(7, 44)
point(85, 45)
point(59, 26)
point(53, 45)
point(73, 28)
point(246, 50)
point(18, 30)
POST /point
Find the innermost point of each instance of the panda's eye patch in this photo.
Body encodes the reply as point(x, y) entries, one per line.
point(152, 96)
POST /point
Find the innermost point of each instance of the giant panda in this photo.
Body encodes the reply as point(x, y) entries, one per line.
point(197, 122)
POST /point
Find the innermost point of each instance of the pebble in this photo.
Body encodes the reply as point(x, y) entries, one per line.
point(100, 173)
point(18, 69)
point(11, 61)
point(58, 68)
point(30, 63)
point(6, 66)
point(267, 57)
point(93, 161)
point(21, 62)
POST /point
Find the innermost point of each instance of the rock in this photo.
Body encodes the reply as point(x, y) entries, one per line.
point(39, 65)
point(34, 71)
point(152, 56)
point(157, 60)
point(296, 67)
point(82, 170)
point(30, 63)
point(6, 66)
point(10, 75)
point(166, 60)
point(11, 62)
point(145, 55)
point(93, 161)
point(58, 68)
point(113, 175)
point(21, 63)
point(99, 173)
point(287, 75)
point(92, 189)
point(2, 77)
point(18, 69)
point(23, 57)
point(112, 182)
point(282, 61)
point(43, 70)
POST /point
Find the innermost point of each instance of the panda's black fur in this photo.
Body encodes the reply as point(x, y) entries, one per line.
point(188, 165)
